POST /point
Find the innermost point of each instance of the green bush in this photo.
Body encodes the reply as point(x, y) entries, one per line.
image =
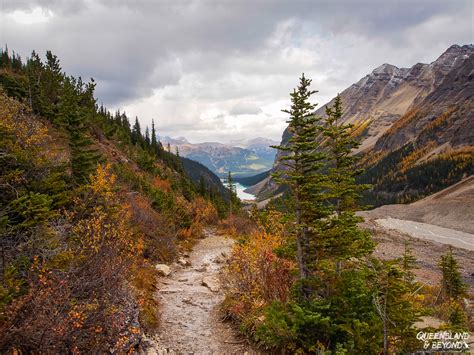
point(292, 326)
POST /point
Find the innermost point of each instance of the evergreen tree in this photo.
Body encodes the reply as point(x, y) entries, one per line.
point(303, 163)
point(136, 132)
point(5, 60)
point(34, 69)
point(232, 192)
point(343, 239)
point(17, 65)
point(51, 87)
point(451, 284)
point(83, 158)
point(393, 305)
point(125, 123)
point(147, 137)
point(154, 142)
point(457, 316)
point(118, 118)
point(408, 264)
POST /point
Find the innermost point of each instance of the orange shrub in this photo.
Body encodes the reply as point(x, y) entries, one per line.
point(203, 211)
point(200, 213)
point(161, 184)
point(237, 225)
point(256, 276)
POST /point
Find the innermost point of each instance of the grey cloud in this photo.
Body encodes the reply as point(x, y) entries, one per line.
point(61, 6)
point(245, 108)
point(208, 54)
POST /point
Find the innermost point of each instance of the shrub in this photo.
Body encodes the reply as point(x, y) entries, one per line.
point(255, 277)
point(293, 327)
point(237, 225)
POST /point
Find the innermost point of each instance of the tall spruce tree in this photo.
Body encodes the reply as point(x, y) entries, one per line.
point(83, 157)
point(154, 142)
point(34, 70)
point(232, 192)
point(147, 137)
point(343, 238)
point(51, 87)
point(126, 123)
point(303, 162)
point(393, 305)
point(136, 132)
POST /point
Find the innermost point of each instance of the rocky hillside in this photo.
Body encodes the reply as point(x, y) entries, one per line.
point(411, 121)
point(452, 207)
point(242, 158)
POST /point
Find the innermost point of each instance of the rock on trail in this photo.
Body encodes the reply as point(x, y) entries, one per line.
point(189, 298)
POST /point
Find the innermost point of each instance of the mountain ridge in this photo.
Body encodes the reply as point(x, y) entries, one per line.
point(425, 109)
point(245, 158)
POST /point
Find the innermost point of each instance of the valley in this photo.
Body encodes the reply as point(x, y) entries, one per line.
point(243, 158)
point(149, 210)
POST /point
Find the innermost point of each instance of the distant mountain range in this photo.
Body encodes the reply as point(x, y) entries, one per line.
point(241, 157)
point(416, 126)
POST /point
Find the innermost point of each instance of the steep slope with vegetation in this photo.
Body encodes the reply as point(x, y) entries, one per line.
point(308, 280)
point(415, 126)
point(88, 206)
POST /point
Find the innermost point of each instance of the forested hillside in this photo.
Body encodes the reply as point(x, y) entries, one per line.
point(89, 204)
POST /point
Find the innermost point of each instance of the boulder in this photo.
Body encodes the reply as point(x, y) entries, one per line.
point(211, 283)
point(163, 269)
point(183, 262)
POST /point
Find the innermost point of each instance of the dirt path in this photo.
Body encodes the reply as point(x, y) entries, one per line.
point(190, 322)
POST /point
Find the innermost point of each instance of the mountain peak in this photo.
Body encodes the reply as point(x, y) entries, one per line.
point(453, 54)
point(385, 68)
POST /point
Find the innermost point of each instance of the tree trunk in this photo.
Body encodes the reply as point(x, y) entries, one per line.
point(302, 251)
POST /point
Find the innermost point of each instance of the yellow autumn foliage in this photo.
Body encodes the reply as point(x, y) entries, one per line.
point(256, 276)
point(109, 221)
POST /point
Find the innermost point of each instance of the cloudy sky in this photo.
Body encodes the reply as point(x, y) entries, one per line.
point(222, 70)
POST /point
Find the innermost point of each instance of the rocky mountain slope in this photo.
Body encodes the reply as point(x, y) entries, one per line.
point(245, 158)
point(452, 207)
point(411, 121)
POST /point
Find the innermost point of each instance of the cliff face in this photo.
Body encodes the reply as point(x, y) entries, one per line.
point(427, 105)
